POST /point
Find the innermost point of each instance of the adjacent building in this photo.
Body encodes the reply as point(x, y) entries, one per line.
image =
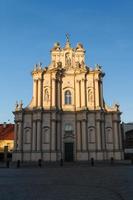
point(6, 137)
point(127, 130)
point(67, 117)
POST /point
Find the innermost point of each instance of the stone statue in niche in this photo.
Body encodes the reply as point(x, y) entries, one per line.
point(98, 67)
point(46, 96)
point(90, 96)
point(53, 63)
point(82, 64)
point(56, 46)
point(67, 60)
point(59, 64)
point(79, 46)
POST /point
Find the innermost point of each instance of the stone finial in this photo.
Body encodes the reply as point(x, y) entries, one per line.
point(98, 67)
point(35, 67)
point(117, 106)
point(21, 105)
point(16, 106)
point(56, 46)
point(39, 65)
point(79, 46)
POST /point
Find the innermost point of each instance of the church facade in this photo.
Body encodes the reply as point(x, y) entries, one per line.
point(67, 117)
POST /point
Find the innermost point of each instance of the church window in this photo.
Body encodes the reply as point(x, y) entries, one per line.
point(68, 130)
point(68, 127)
point(68, 97)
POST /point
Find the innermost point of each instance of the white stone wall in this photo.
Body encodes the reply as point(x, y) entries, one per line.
point(41, 128)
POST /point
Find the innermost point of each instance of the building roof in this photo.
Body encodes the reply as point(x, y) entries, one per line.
point(6, 131)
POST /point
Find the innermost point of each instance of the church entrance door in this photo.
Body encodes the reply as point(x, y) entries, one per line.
point(69, 152)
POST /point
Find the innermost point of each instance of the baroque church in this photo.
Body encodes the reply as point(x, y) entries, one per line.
point(67, 117)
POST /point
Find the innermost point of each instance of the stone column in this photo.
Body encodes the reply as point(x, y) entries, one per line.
point(35, 92)
point(58, 137)
point(83, 93)
point(34, 136)
point(84, 141)
point(103, 135)
point(58, 93)
point(116, 145)
point(98, 131)
point(77, 94)
point(20, 138)
point(53, 92)
point(15, 136)
point(120, 136)
point(39, 93)
point(38, 135)
point(101, 93)
point(53, 136)
point(97, 93)
point(78, 136)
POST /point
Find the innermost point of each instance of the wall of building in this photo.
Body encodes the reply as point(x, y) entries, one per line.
point(50, 121)
point(94, 134)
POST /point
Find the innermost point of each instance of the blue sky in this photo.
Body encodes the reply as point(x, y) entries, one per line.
point(29, 28)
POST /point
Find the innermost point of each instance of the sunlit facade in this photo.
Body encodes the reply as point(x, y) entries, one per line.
point(67, 117)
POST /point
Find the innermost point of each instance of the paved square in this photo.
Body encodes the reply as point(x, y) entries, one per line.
point(70, 182)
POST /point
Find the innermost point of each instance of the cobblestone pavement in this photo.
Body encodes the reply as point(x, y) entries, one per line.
point(70, 182)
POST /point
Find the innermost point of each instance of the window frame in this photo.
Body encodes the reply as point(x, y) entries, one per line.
point(68, 97)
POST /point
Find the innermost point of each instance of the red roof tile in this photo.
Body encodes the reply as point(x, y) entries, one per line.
point(7, 132)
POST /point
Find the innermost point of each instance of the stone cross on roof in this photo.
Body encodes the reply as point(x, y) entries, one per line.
point(67, 41)
point(67, 37)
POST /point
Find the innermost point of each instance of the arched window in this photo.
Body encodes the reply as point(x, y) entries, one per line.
point(68, 97)
point(68, 130)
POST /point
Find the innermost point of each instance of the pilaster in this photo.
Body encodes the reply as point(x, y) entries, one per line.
point(20, 137)
point(53, 136)
point(34, 136)
point(58, 136)
point(116, 142)
point(39, 93)
point(98, 136)
point(97, 94)
point(78, 136)
point(83, 93)
point(38, 135)
point(77, 94)
point(15, 136)
point(58, 94)
point(84, 141)
point(35, 92)
point(53, 92)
